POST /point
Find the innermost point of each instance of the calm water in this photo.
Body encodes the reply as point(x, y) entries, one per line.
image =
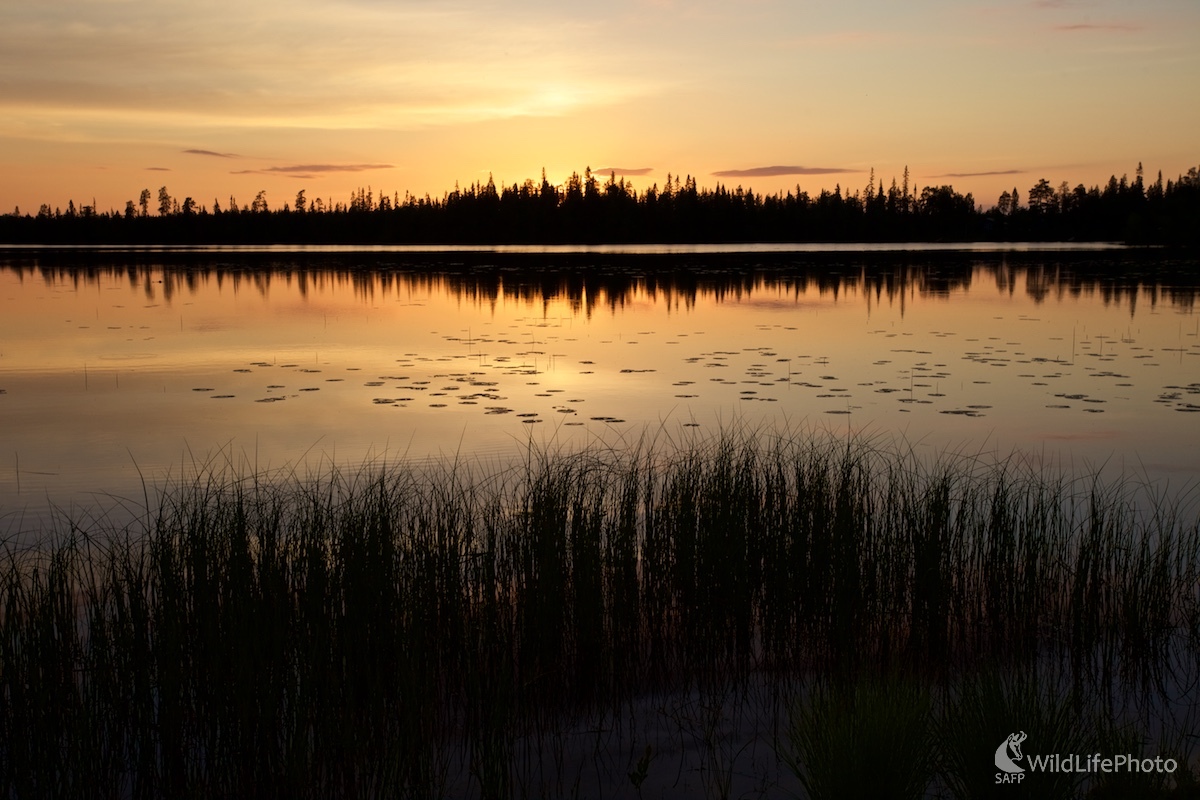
point(119, 366)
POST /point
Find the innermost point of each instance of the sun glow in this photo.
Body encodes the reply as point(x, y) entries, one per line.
point(448, 92)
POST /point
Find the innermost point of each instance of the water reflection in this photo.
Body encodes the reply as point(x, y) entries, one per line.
point(583, 280)
point(118, 365)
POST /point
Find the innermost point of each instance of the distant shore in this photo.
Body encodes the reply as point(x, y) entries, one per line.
point(590, 210)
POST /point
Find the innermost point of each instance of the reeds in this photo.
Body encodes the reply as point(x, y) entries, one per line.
point(864, 739)
point(393, 631)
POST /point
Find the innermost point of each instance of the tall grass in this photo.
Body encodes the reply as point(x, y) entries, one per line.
point(864, 739)
point(392, 631)
point(984, 708)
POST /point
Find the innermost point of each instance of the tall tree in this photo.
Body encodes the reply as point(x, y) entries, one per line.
point(1041, 198)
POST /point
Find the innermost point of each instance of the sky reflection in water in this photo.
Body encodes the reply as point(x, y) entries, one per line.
point(119, 371)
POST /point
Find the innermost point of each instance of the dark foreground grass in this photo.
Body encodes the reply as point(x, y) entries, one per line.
point(400, 632)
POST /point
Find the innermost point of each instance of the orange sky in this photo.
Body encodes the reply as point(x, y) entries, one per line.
point(100, 99)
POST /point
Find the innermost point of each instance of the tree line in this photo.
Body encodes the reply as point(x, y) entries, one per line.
point(589, 208)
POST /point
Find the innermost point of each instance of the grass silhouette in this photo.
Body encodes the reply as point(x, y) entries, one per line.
point(423, 632)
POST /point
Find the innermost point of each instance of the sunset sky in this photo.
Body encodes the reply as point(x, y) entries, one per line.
point(100, 99)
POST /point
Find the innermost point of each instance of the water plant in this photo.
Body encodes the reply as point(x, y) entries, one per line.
point(863, 738)
point(413, 631)
point(981, 710)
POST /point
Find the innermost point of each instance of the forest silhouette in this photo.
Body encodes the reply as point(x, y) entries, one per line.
point(589, 209)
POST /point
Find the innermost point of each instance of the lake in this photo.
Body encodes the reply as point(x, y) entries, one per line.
point(119, 367)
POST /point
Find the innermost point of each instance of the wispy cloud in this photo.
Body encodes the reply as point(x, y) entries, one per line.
point(776, 171)
point(1080, 7)
point(624, 171)
point(211, 153)
point(1125, 27)
point(843, 38)
point(401, 65)
point(981, 174)
point(158, 169)
point(329, 168)
point(310, 170)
